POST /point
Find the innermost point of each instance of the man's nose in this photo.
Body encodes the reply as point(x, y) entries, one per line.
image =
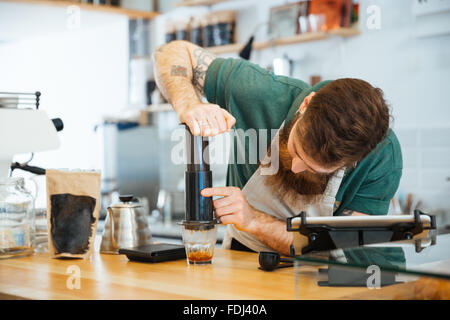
point(297, 165)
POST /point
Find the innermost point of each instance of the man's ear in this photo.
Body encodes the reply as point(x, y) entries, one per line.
point(305, 102)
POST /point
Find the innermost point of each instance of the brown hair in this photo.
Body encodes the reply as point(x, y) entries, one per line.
point(344, 121)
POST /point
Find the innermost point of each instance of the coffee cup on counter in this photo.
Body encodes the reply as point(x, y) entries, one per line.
point(199, 241)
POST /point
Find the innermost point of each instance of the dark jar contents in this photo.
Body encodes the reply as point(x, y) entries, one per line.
point(182, 30)
point(170, 32)
point(208, 34)
point(224, 24)
point(196, 31)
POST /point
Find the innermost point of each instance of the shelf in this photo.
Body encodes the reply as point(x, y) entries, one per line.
point(191, 3)
point(300, 38)
point(344, 32)
point(229, 48)
point(132, 14)
point(306, 37)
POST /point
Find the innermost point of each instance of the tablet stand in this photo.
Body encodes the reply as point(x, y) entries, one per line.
point(351, 277)
point(322, 237)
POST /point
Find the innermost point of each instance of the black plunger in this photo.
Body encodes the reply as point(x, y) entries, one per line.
point(199, 209)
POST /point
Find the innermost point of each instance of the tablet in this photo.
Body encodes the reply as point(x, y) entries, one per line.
point(362, 221)
point(301, 241)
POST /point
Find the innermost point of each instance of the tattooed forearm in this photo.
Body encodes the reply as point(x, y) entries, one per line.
point(203, 59)
point(347, 212)
point(179, 71)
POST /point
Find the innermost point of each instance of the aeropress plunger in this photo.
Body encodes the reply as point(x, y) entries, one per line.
point(200, 225)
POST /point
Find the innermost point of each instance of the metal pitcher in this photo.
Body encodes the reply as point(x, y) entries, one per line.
point(126, 226)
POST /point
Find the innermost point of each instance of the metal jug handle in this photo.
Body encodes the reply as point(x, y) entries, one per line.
point(111, 220)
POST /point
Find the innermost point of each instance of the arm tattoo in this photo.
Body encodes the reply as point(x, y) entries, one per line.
point(179, 71)
point(347, 212)
point(198, 74)
point(204, 59)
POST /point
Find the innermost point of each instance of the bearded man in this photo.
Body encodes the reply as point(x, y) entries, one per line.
point(334, 150)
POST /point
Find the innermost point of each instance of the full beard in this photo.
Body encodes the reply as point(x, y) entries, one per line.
point(291, 186)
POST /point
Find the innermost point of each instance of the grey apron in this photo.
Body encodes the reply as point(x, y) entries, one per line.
point(263, 199)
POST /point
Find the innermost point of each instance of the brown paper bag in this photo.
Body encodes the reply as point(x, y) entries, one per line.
point(73, 205)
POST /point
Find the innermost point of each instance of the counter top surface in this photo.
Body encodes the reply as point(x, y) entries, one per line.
point(232, 275)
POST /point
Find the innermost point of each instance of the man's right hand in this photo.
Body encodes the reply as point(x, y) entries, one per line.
point(206, 119)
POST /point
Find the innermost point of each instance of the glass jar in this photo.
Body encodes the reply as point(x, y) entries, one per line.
point(16, 219)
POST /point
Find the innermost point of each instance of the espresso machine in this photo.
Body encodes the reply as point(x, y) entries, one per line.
point(24, 130)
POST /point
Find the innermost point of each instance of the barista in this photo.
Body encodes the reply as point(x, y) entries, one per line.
point(333, 153)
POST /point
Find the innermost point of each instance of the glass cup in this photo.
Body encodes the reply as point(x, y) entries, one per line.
point(199, 242)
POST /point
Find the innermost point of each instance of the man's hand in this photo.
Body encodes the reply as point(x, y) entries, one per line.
point(206, 119)
point(233, 208)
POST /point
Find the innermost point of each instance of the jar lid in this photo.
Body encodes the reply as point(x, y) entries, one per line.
point(127, 201)
point(12, 181)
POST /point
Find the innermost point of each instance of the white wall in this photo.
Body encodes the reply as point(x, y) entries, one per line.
point(413, 72)
point(82, 73)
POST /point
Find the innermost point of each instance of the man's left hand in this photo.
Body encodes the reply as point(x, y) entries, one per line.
point(232, 208)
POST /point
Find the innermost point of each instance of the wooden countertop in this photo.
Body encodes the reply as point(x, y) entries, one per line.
point(232, 275)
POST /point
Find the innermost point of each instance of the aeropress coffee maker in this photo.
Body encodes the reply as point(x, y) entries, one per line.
point(200, 226)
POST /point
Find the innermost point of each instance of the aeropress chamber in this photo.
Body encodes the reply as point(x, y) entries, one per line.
point(200, 225)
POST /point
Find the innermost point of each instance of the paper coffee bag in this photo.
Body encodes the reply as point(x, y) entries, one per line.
point(73, 205)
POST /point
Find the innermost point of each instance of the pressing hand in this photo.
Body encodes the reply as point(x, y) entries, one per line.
point(232, 208)
point(207, 119)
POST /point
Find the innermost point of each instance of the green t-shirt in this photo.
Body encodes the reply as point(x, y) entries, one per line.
point(258, 99)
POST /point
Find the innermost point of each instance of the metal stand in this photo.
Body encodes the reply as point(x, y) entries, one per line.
point(351, 277)
point(323, 237)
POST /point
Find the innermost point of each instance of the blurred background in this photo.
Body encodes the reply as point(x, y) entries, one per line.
point(91, 61)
